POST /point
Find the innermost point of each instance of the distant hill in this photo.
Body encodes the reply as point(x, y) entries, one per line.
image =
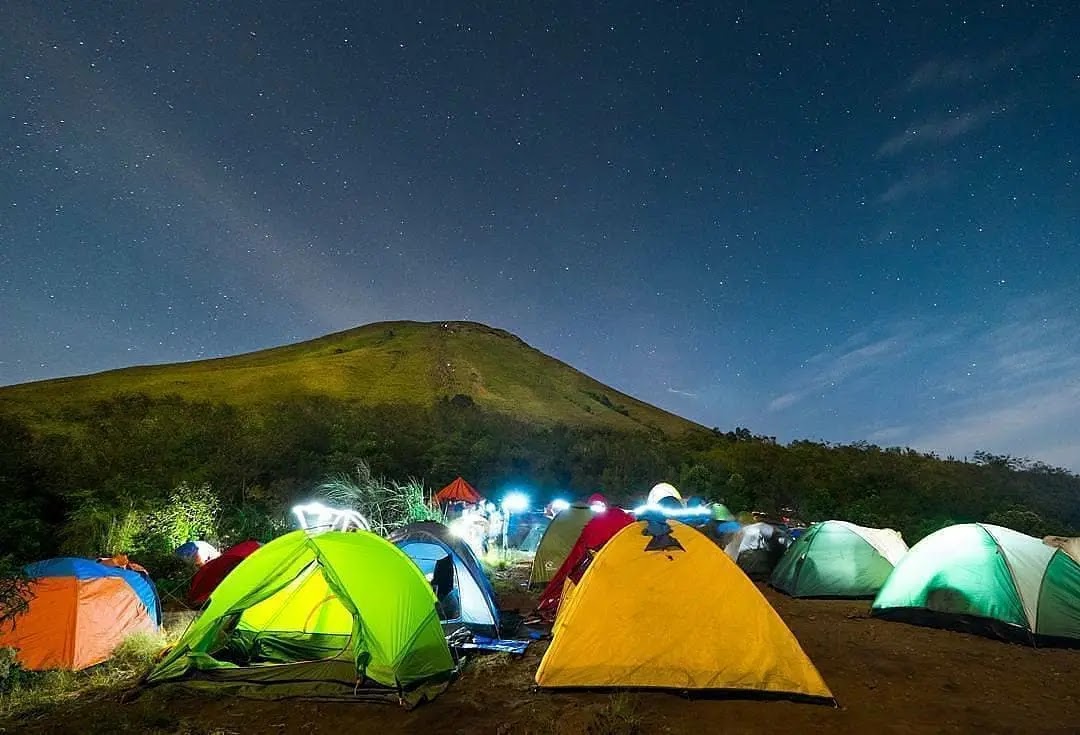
point(385, 363)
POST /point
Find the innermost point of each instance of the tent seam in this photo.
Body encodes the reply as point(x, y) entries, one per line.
point(1012, 577)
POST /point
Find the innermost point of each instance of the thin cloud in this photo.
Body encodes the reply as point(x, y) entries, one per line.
point(829, 370)
point(1020, 425)
point(889, 434)
point(1011, 387)
point(1018, 389)
point(938, 73)
point(916, 183)
point(937, 131)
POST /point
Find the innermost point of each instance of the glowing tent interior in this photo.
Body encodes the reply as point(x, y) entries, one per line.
point(333, 615)
point(838, 559)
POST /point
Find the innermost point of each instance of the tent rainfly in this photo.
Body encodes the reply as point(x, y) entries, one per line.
point(838, 559)
point(79, 613)
point(761, 547)
point(597, 532)
point(661, 606)
point(989, 580)
point(210, 574)
point(337, 614)
point(555, 544)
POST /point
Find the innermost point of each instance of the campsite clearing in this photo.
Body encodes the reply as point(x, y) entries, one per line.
point(888, 678)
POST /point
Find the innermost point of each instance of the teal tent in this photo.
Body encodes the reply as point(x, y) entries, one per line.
point(838, 559)
point(328, 615)
point(986, 579)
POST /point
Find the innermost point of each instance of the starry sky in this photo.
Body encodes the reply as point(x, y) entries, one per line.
point(838, 221)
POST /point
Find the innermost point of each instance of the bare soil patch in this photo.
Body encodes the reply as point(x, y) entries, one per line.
point(888, 678)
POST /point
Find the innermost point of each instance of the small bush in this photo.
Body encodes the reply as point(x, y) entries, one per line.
point(12, 675)
point(15, 589)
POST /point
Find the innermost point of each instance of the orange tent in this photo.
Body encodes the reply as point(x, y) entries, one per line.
point(79, 613)
point(458, 491)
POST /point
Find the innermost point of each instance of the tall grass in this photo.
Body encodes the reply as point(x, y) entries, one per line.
point(22, 691)
point(386, 504)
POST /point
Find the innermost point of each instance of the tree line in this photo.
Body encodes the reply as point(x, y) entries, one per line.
point(141, 472)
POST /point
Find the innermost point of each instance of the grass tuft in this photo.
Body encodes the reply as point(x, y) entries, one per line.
point(619, 716)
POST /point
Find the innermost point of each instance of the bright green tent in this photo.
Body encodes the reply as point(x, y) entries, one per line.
point(561, 535)
point(986, 579)
point(720, 512)
point(838, 559)
point(327, 615)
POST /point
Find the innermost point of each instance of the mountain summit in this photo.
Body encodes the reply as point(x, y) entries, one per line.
point(416, 363)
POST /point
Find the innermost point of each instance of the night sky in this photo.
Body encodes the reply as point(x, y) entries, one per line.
point(844, 221)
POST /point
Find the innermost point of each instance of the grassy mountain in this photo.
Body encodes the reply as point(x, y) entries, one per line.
point(378, 364)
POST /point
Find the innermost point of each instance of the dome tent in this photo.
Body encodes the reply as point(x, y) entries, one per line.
point(761, 547)
point(555, 544)
point(720, 512)
point(465, 596)
point(197, 553)
point(986, 579)
point(664, 494)
point(337, 614)
point(596, 533)
point(838, 559)
point(79, 613)
point(661, 606)
point(210, 574)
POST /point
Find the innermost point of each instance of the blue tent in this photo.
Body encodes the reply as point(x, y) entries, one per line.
point(465, 596)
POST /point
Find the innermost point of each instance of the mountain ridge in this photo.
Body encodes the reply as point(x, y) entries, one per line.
point(381, 363)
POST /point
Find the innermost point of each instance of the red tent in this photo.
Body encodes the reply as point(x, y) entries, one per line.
point(212, 572)
point(458, 491)
point(595, 534)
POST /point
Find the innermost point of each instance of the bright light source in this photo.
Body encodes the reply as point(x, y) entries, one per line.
point(460, 527)
point(559, 505)
point(667, 512)
point(515, 502)
point(597, 507)
point(318, 517)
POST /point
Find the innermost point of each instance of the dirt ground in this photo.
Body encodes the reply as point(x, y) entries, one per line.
point(888, 678)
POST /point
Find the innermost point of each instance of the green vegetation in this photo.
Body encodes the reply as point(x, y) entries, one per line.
point(95, 465)
point(389, 363)
point(22, 691)
point(619, 716)
point(385, 504)
point(13, 590)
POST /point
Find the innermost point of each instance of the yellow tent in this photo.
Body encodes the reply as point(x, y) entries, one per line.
point(679, 615)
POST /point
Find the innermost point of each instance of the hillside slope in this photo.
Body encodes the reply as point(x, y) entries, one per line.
point(383, 363)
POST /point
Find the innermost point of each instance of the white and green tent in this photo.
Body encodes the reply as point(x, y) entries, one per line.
point(838, 559)
point(986, 579)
